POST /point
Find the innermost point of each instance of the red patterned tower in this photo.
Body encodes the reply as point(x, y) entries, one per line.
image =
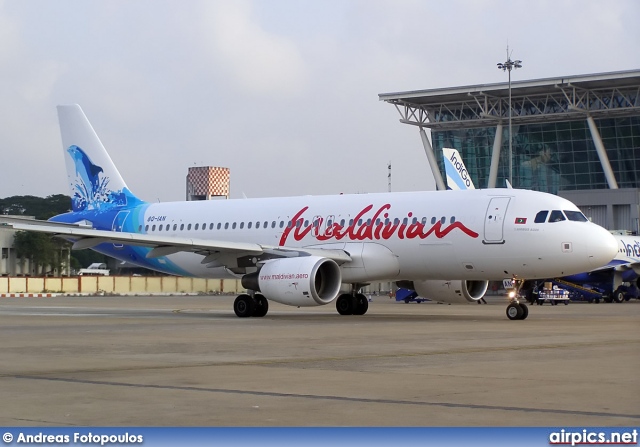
point(207, 182)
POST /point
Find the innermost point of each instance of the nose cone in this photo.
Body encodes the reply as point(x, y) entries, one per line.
point(602, 246)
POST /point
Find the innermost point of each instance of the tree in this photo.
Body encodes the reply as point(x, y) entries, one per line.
point(40, 208)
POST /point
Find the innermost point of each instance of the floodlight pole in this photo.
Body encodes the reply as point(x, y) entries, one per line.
point(508, 66)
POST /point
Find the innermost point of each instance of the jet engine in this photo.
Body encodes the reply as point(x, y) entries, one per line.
point(455, 292)
point(301, 281)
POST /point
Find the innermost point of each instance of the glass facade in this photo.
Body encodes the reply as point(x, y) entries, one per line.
point(550, 156)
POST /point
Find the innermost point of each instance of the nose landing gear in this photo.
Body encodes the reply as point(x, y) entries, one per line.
point(516, 310)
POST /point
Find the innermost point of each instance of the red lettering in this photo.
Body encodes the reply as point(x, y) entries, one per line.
point(369, 229)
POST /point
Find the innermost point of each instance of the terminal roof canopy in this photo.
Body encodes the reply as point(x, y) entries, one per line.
point(540, 100)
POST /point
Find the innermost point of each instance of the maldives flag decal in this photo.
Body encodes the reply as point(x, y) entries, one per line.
point(521, 220)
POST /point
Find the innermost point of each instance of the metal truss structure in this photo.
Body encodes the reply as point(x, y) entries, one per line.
point(581, 97)
point(554, 99)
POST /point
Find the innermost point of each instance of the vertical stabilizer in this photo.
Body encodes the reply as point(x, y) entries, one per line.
point(94, 181)
point(457, 175)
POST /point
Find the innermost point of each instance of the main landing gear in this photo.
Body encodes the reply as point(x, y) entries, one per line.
point(516, 310)
point(352, 304)
point(251, 306)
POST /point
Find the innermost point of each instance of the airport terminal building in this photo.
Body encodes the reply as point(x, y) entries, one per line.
point(575, 136)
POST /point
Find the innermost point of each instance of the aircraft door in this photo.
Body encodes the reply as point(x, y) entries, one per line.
point(118, 224)
point(494, 220)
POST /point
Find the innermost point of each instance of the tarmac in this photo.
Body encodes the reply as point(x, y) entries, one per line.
point(189, 361)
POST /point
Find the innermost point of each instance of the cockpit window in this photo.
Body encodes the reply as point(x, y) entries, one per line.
point(556, 216)
point(576, 216)
point(541, 217)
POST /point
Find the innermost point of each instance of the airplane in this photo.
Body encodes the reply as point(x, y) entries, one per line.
point(300, 251)
point(458, 177)
point(617, 281)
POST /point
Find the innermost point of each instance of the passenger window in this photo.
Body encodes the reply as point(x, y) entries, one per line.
point(175, 227)
point(443, 220)
point(342, 223)
point(160, 228)
point(249, 225)
point(241, 225)
point(188, 227)
point(556, 216)
point(181, 227)
point(219, 225)
point(541, 217)
point(196, 227)
point(575, 216)
point(226, 225)
point(139, 228)
point(168, 227)
point(405, 221)
point(211, 226)
point(360, 222)
point(433, 220)
point(453, 219)
point(146, 228)
point(281, 223)
point(233, 226)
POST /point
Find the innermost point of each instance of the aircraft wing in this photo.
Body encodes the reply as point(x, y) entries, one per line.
point(620, 267)
point(215, 252)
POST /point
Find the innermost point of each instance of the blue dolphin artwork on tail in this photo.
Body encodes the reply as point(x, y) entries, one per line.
point(91, 187)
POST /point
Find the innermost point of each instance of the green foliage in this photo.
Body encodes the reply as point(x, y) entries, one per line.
point(41, 250)
point(41, 208)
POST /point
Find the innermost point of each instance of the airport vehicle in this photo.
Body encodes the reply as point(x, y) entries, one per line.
point(300, 251)
point(409, 296)
point(95, 269)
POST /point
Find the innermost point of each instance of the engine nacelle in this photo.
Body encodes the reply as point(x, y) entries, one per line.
point(301, 281)
point(455, 292)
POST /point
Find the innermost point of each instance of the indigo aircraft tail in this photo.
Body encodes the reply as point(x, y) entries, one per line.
point(458, 177)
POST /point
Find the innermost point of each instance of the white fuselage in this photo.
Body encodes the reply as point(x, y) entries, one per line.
point(473, 234)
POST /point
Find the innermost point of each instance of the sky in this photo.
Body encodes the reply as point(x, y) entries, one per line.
point(282, 92)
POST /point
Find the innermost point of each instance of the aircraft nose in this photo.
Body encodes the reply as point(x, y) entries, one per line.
point(602, 247)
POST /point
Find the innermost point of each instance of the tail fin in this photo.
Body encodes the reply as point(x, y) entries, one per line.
point(457, 175)
point(94, 181)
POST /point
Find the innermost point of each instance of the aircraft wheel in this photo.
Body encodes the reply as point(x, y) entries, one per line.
point(514, 311)
point(597, 301)
point(407, 300)
point(261, 306)
point(618, 297)
point(525, 311)
point(243, 306)
point(362, 305)
point(344, 304)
